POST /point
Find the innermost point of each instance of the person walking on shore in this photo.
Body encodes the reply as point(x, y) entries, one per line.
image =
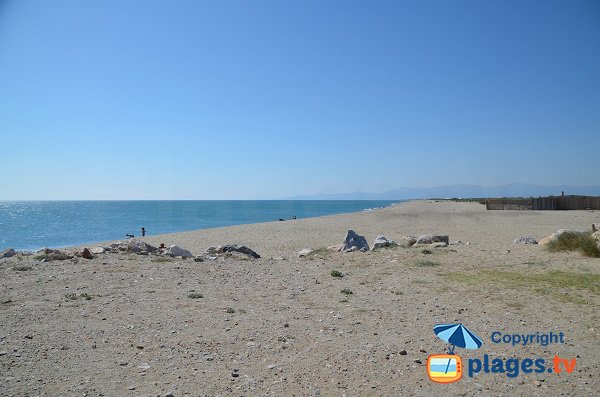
point(143, 232)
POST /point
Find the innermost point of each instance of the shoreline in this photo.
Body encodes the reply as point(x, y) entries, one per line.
point(104, 241)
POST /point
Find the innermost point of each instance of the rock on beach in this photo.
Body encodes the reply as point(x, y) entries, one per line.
point(355, 240)
point(383, 242)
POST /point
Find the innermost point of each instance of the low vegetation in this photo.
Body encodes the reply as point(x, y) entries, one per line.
point(346, 291)
point(336, 273)
point(582, 242)
point(426, 263)
point(563, 285)
point(426, 251)
point(195, 295)
point(22, 268)
point(161, 259)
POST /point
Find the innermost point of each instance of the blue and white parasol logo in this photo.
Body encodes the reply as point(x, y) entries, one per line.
point(457, 335)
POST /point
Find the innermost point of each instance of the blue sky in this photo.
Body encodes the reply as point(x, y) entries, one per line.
point(269, 99)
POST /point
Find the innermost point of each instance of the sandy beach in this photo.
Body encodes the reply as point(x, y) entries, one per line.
point(129, 325)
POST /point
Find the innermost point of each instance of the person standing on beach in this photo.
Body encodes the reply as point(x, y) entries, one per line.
point(143, 232)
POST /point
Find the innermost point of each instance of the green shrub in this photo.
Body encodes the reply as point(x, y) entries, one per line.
point(336, 273)
point(582, 242)
point(426, 263)
point(22, 268)
point(195, 295)
point(346, 291)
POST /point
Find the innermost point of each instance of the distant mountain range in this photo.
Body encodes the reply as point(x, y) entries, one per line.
point(461, 191)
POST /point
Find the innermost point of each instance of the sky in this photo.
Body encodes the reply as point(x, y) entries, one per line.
point(271, 99)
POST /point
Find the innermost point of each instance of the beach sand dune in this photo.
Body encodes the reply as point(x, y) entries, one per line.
point(129, 325)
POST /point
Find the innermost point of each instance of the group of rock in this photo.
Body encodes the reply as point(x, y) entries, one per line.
point(135, 246)
point(355, 242)
point(554, 236)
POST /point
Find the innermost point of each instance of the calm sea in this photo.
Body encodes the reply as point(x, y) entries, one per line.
point(29, 225)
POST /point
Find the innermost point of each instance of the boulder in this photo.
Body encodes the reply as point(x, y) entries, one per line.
point(383, 242)
point(7, 253)
point(355, 240)
point(137, 246)
point(439, 244)
point(176, 250)
point(213, 251)
point(430, 239)
point(525, 240)
point(48, 255)
point(304, 252)
point(97, 250)
point(408, 241)
point(86, 254)
point(335, 248)
point(242, 249)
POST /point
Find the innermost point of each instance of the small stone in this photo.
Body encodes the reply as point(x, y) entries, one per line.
point(403, 352)
point(525, 240)
point(438, 245)
point(304, 252)
point(418, 361)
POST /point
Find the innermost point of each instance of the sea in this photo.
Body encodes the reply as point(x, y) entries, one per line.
point(31, 225)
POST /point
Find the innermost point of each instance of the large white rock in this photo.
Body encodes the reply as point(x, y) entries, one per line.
point(137, 246)
point(430, 239)
point(304, 252)
point(525, 240)
point(176, 250)
point(383, 242)
point(408, 241)
point(97, 250)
